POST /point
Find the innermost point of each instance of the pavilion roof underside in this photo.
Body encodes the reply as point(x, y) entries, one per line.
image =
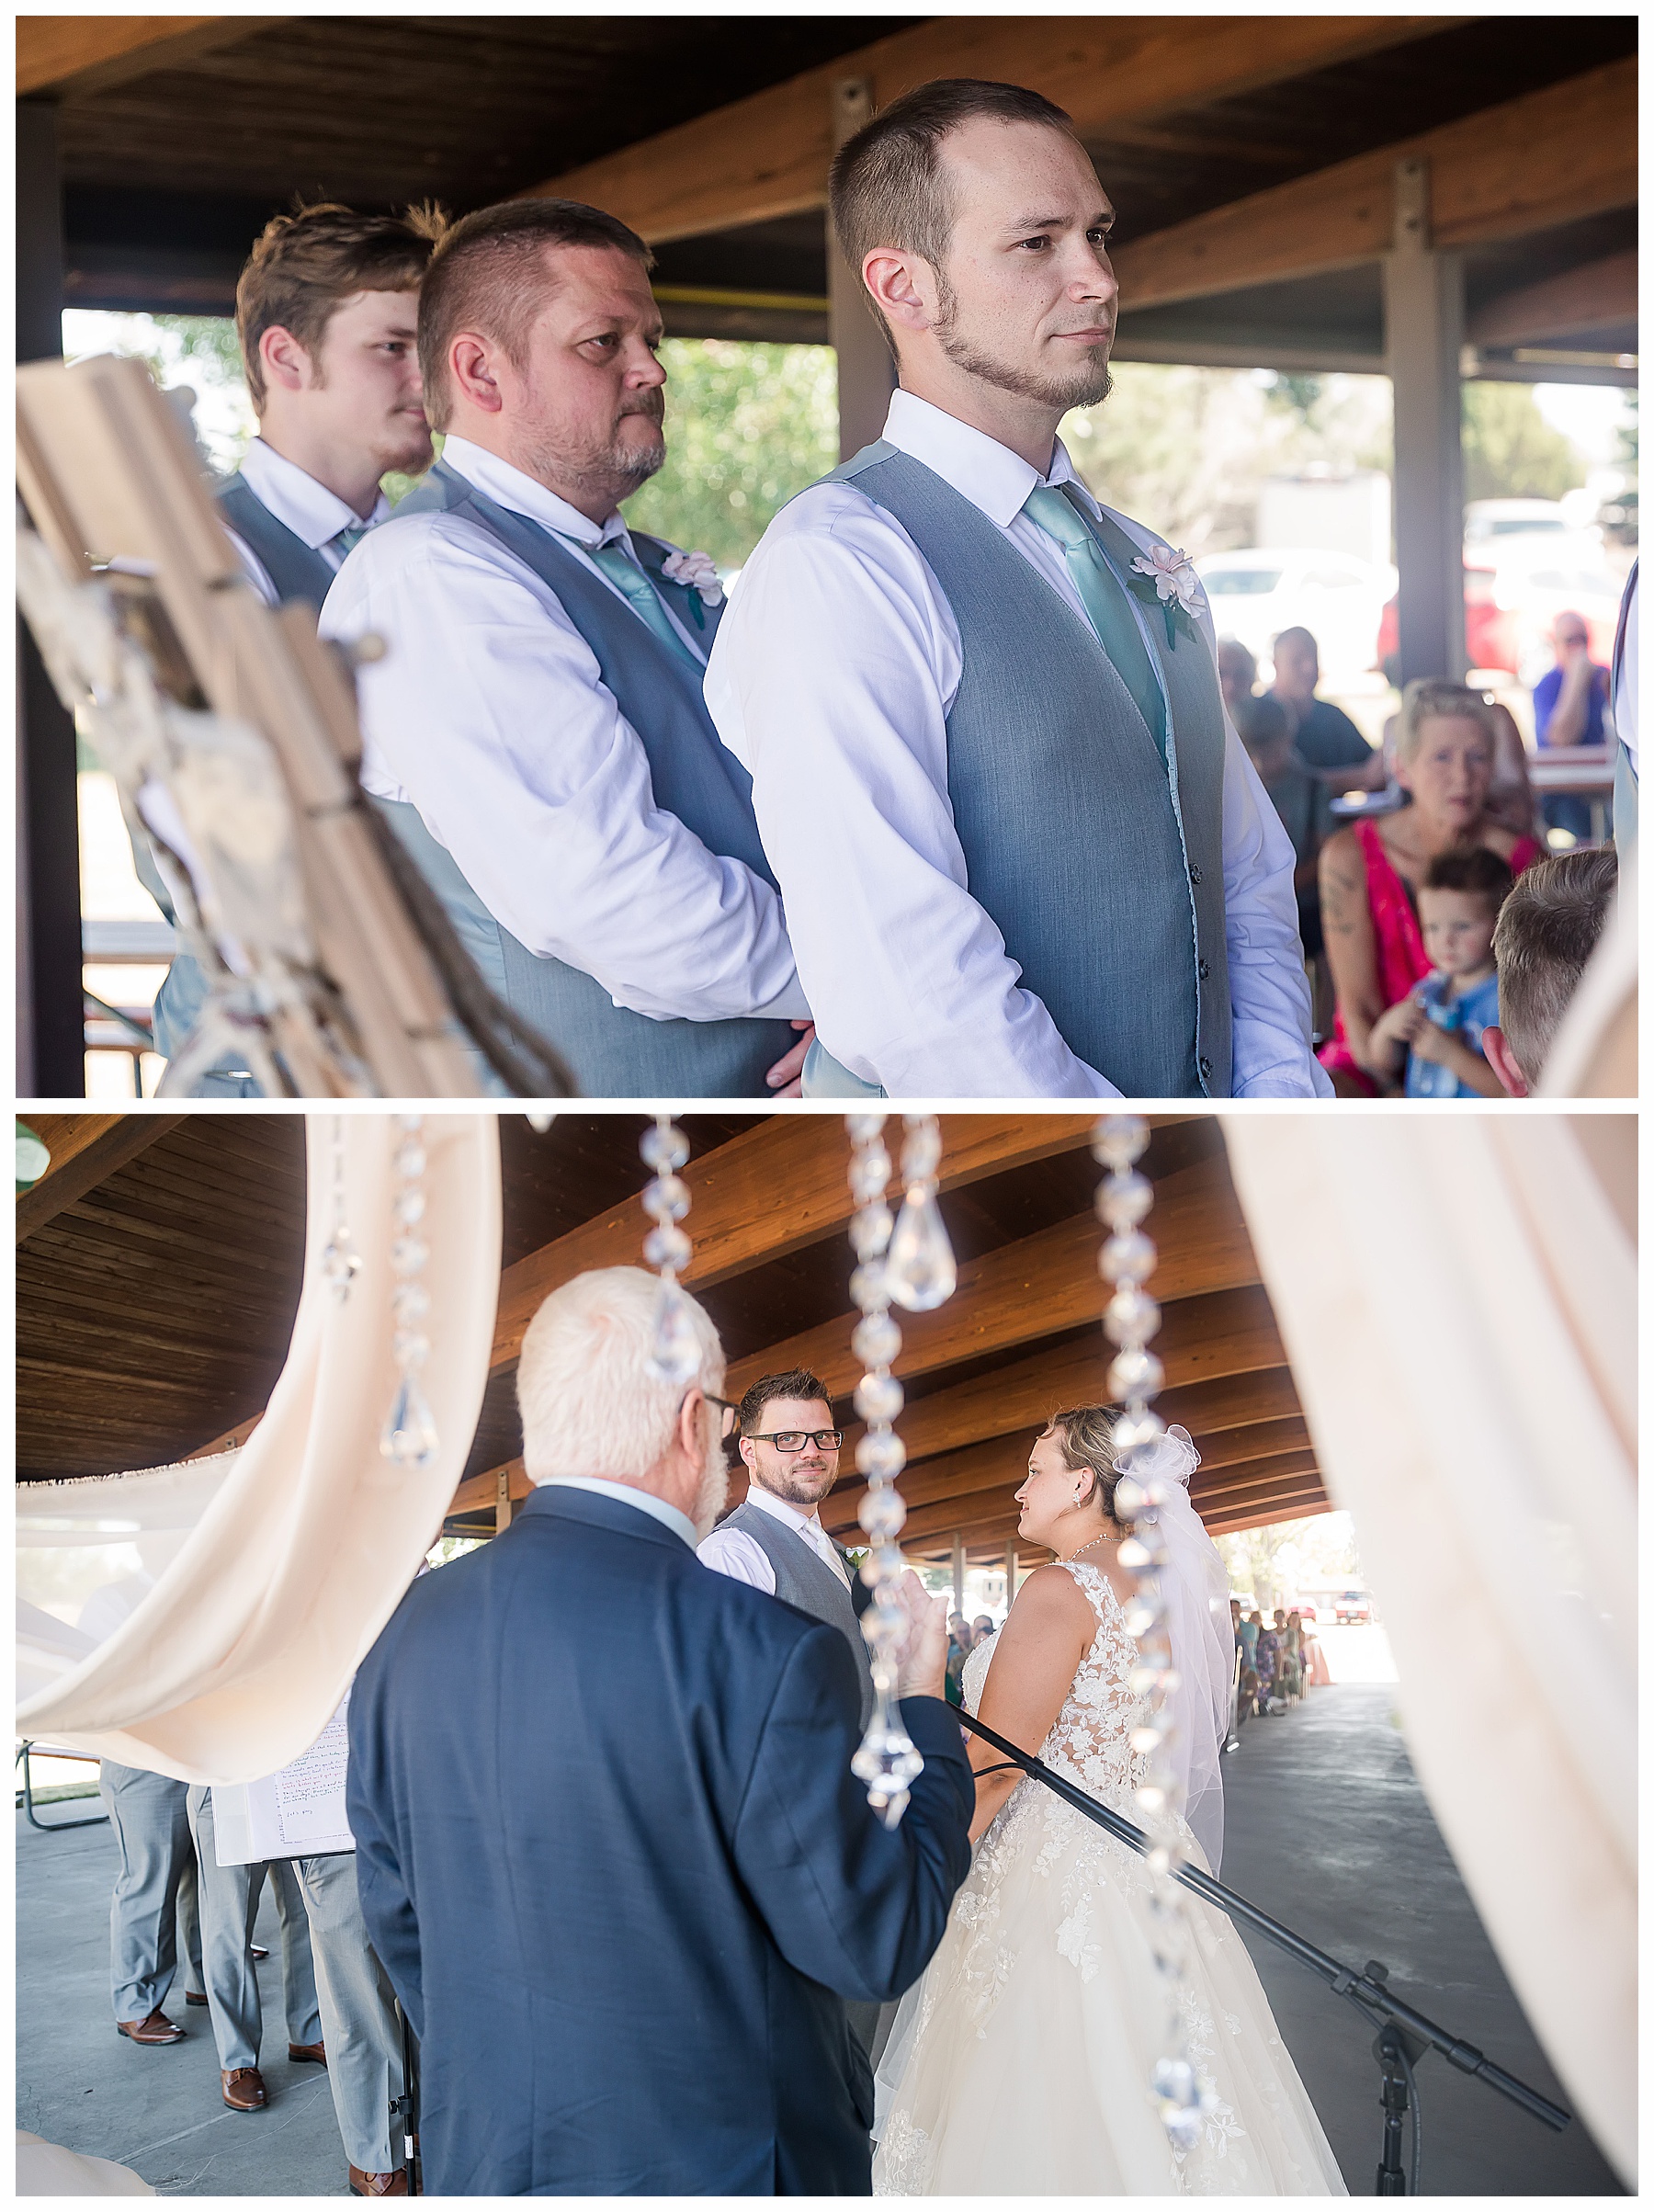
point(156, 1288)
point(171, 170)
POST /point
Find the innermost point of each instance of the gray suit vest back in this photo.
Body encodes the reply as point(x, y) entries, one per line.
point(613, 1052)
point(1101, 864)
point(804, 1579)
point(297, 570)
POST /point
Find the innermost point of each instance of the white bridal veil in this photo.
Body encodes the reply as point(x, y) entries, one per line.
point(1195, 1584)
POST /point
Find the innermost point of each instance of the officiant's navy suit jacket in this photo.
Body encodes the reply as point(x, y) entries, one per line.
point(612, 1856)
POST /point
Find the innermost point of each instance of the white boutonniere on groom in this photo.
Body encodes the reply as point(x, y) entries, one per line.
point(696, 572)
point(1165, 575)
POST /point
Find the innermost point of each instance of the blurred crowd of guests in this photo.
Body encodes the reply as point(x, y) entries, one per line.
point(1278, 1663)
point(1445, 941)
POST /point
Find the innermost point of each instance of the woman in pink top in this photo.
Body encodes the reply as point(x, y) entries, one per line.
point(1445, 745)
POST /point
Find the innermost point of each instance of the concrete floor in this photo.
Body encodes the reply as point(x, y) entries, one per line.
point(1327, 1829)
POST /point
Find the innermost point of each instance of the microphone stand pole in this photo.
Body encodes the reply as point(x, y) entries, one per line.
point(1404, 2033)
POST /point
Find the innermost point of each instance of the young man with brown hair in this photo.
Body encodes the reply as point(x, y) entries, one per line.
point(327, 311)
point(535, 733)
point(1023, 852)
point(1547, 931)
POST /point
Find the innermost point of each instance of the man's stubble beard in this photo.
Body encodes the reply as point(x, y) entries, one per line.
point(781, 1485)
point(612, 473)
point(1090, 386)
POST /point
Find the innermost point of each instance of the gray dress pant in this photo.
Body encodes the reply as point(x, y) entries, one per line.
point(155, 1890)
point(359, 2018)
point(228, 1907)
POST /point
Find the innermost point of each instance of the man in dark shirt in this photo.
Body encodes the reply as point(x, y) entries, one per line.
point(1323, 735)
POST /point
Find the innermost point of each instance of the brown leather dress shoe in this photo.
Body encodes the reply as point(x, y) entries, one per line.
point(243, 2088)
point(195, 1996)
point(379, 2185)
point(157, 2028)
point(308, 2054)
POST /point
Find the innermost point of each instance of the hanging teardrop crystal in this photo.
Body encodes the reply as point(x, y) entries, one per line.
point(676, 1353)
point(919, 1265)
point(409, 1436)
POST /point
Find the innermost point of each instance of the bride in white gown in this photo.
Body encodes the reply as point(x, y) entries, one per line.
point(1020, 2065)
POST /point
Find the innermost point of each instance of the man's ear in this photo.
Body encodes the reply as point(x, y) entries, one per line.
point(284, 361)
point(748, 1453)
point(472, 368)
point(1502, 1062)
point(902, 286)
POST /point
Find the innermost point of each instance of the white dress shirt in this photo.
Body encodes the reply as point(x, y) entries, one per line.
point(832, 679)
point(489, 713)
point(627, 1493)
point(308, 508)
point(732, 1552)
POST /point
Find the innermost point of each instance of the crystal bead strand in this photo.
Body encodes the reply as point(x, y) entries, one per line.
point(409, 1436)
point(1130, 1320)
point(886, 1759)
point(675, 1354)
point(341, 1261)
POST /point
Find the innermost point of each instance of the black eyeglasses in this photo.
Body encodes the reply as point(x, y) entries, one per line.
point(728, 1416)
point(794, 1440)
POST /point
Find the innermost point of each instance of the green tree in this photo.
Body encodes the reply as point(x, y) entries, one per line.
point(747, 425)
point(1510, 451)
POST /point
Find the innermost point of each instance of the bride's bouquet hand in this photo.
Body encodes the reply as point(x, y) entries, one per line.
point(922, 1662)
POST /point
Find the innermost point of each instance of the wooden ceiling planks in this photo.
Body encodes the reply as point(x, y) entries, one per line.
point(153, 1309)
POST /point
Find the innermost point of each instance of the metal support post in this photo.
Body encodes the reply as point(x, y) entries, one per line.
point(501, 1501)
point(867, 374)
point(51, 1040)
point(1424, 332)
point(958, 1571)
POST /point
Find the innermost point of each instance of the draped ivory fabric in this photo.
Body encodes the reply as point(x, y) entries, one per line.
point(203, 1621)
point(1457, 1296)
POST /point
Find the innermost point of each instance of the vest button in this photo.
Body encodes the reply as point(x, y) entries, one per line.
point(1203, 968)
point(1195, 874)
point(1205, 1065)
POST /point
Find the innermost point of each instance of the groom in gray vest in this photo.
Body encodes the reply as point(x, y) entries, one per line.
point(1022, 851)
point(534, 732)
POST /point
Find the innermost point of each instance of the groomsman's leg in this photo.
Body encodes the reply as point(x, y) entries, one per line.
point(229, 1901)
point(190, 1924)
point(358, 2013)
point(150, 1826)
point(298, 1967)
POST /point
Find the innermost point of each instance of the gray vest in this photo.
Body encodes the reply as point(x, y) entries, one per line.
point(297, 570)
point(1101, 864)
point(613, 1052)
point(804, 1579)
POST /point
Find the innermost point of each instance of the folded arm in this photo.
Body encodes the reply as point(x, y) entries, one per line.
point(489, 713)
point(854, 1905)
point(387, 1907)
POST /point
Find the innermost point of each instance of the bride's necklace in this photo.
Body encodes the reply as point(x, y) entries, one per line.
point(1074, 1554)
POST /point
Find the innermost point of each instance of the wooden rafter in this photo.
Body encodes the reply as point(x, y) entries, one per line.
point(85, 1149)
point(1530, 165)
point(1593, 298)
point(768, 155)
point(90, 53)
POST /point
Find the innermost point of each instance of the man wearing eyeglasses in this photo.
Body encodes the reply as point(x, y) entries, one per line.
point(775, 1541)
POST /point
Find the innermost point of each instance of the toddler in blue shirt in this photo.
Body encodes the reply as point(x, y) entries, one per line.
point(1458, 905)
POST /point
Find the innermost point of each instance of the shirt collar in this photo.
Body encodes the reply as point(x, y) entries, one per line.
point(977, 467)
point(627, 1493)
point(307, 508)
point(523, 496)
point(782, 1508)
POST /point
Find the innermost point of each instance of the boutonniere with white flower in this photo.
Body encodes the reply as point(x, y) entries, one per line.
point(1165, 575)
point(697, 573)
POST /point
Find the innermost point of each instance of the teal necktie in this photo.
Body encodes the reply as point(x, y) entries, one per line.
point(620, 567)
point(352, 534)
point(1104, 599)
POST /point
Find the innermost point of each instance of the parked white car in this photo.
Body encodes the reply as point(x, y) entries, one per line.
point(1262, 590)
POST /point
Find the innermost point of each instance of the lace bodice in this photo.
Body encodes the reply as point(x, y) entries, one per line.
point(1090, 1739)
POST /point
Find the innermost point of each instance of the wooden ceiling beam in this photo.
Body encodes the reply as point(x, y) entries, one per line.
point(994, 1531)
point(767, 1192)
point(90, 53)
point(1593, 298)
point(1229, 1332)
point(768, 155)
point(86, 1149)
point(1039, 1285)
point(1549, 158)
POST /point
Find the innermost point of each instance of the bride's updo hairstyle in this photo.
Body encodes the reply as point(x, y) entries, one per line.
point(1084, 1436)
